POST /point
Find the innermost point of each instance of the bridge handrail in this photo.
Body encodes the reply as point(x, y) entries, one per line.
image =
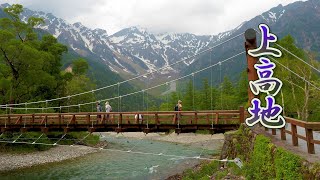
point(226, 112)
point(309, 128)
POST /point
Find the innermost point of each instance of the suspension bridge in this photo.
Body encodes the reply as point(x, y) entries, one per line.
point(216, 121)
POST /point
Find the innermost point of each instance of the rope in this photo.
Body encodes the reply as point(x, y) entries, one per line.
point(132, 152)
point(211, 82)
point(37, 139)
point(297, 57)
point(296, 74)
point(211, 102)
point(147, 103)
point(105, 87)
point(220, 86)
point(167, 98)
point(177, 79)
point(17, 138)
point(81, 139)
point(193, 107)
point(56, 143)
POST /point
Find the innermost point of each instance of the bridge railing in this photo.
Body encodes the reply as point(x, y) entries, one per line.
point(309, 127)
point(149, 117)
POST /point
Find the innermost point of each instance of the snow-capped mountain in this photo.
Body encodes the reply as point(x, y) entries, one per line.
point(135, 50)
point(158, 50)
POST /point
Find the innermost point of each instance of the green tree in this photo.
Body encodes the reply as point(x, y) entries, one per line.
point(205, 96)
point(227, 96)
point(80, 66)
point(298, 96)
point(242, 89)
point(29, 67)
point(188, 100)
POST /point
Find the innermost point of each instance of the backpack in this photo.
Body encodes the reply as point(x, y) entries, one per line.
point(176, 108)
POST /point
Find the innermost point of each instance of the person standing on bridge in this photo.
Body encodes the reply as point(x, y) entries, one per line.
point(178, 107)
point(108, 109)
point(99, 109)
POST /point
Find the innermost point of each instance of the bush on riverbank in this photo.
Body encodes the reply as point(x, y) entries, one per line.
point(43, 142)
point(261, 159)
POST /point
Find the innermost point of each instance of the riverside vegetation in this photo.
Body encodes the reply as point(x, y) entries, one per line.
point(261, 159)
point(50, 138)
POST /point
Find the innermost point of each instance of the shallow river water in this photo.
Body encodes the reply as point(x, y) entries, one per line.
point(108, 164)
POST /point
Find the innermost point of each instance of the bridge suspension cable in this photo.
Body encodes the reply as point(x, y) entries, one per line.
point(304, 79)
point(148, 88)
point(128, 80)
point(291, 53)
point(122, 151)
point(297, 57)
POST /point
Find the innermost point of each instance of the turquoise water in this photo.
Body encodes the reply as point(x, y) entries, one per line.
point(118, 165)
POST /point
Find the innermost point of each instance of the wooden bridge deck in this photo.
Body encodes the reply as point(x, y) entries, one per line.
point(190, 121)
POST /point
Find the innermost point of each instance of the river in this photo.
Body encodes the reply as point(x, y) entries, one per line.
point(110, 164)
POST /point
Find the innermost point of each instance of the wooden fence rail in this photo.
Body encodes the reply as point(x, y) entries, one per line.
point(309, 128)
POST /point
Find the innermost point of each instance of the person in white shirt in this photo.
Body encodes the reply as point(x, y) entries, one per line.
point(108, 109)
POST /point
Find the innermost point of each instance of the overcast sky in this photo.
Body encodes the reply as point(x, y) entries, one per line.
point(193, 16)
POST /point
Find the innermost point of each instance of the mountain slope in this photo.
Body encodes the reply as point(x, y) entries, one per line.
point(133, 51)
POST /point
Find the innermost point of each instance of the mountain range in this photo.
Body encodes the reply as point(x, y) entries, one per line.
point(133, 51)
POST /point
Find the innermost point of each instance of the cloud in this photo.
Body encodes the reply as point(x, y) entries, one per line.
point(193, 16)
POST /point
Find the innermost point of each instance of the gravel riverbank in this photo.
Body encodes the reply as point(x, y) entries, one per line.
point(11, 161)
point(14, 161)
point(207, 141)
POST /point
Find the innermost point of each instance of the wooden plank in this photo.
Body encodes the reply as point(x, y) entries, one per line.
point(217, 118)
point(294, 135)
point(157, 119)
point(313, 126)
point(309, 138)
point(241, 116)
point(283, 134)
point(296, 122)
point(315, 141)
point(196, 118)
point(301, 137)
point(274, 132)
point(18, 120)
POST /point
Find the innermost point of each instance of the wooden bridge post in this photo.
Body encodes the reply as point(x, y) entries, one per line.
point(157, 119)
point(283, 134)
point(251, 43)
point(88, 118)
point(9, 119)
point(294, 134)
point(32, 116)
point(120, 118)
point(217, 118)
point(73, 119)
point(310, 144)
point(59, 120)
point(196, 117)
point(241, 114)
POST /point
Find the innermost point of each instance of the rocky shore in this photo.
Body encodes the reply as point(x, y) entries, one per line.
point(14, 161)
point(208, 141)
point(11, 161)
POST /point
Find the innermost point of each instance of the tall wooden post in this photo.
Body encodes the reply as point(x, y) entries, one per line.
point(251, 43)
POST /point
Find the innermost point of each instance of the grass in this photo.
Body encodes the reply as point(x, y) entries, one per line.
point(206, 170)
point(50, 138)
